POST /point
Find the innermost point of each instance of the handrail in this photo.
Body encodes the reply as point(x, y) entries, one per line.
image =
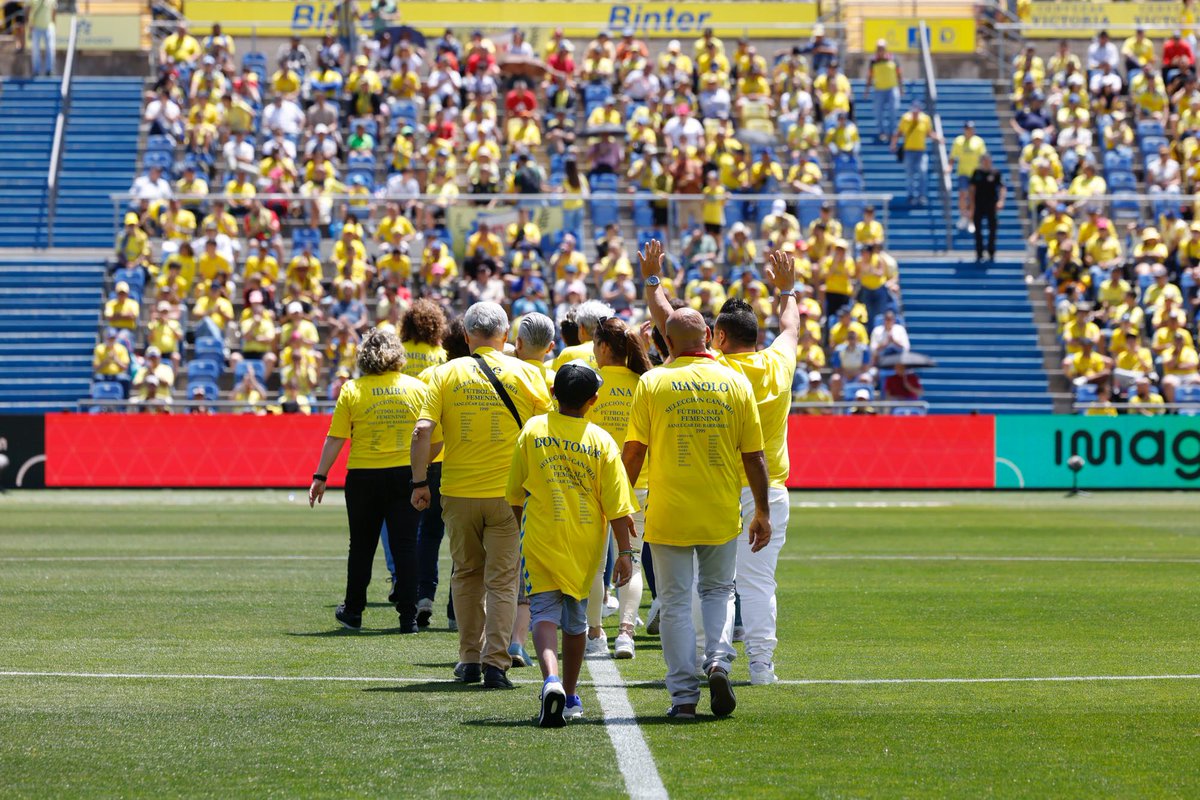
point(1125, 409)
point(940, 139)
point(60, 124)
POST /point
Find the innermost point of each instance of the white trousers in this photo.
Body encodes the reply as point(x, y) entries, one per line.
point(756, 575)
point(712, 569)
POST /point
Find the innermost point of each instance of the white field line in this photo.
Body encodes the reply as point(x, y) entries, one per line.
point(642, 781)
point(281, 557)
point(869, 504)
point(999, 558)
point(605, 682)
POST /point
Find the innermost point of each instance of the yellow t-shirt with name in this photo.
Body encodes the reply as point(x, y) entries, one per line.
point(421, 356)
point(584, 352)
point(770, 374)
point(567, 473)
point(479, 430)
point(968, 152)
point(696, 418)
point(611, 411)
point(377, 413)
point(914, 132)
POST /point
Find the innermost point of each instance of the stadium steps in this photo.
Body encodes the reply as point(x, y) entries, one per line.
point(28, 109)
point(49, 311)
point(977, 323)
point(911, 228)
point(99, 158)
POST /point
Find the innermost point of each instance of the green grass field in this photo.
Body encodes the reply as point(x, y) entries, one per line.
point(1093, 587)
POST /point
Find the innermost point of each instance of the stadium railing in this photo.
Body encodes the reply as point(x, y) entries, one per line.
point(882, 407)
point(1014, 36)
point(60, 125)
point(599, 208)
point(931, 96)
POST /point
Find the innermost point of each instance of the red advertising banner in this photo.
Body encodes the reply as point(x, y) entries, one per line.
point(140, 450)
point(861, 452)
point(224, 450)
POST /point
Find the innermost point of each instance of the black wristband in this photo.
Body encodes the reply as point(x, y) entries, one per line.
point(319, 477)
point(419, 484)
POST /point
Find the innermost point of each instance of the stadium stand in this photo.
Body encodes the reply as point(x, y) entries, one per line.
point(100, 154)
point(28, 108)
point(47, 331)
point(1108, 167)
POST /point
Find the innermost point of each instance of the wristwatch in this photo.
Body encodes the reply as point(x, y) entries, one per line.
point(653, 282)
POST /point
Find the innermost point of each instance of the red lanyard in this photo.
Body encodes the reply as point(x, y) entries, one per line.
point(696, 354)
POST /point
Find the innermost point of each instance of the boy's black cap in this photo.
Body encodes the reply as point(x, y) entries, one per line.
point(576, 383)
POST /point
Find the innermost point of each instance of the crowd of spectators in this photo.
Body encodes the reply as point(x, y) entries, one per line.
point(1121, 273)
point(299, 200)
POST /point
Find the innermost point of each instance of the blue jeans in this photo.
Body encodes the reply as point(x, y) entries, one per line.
point(429, 537)
point(41, 51)
point(887, 109)
point(573, 223)
point(877, 301)
point(916, 171)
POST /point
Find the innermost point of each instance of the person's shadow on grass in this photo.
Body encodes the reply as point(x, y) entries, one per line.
point(336, 632)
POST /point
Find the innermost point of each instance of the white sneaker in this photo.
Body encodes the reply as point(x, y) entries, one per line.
point(553, 702)
point(961, 223)
point(597, 647)
point(971, 228)
point(624, 646)
point(652, 617)
point(762, 673)
point(611, 606)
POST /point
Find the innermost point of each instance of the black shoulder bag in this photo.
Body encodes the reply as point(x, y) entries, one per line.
point(500, 390)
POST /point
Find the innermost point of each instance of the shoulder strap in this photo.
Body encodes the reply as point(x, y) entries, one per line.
point(500, 390)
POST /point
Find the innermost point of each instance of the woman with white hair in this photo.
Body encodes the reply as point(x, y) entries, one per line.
point(376, 414)
point(588, 316)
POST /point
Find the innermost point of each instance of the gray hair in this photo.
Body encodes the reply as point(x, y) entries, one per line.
point(380, 351)
point(537, 331)
point(590, 313)
point(485, 320)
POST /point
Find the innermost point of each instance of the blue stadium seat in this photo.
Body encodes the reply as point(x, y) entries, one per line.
point(369, 125)
point(301, 236)
point(405, 112)
point(808, 211)
point(1118, 161)
point(909, 411)
point(160, 144)
point(158, 158)
point(846, 162)
point(1150, 144)
point(201, 369)
point(1188, 394)
point(239, 372)
point(850, 213)
point(643, 214)
point(847, 182)
point(853, 388)
point(1121, 181)
point(107, 390)
point(209, 389)
point(208, 348)
point(1149, 127)
point(1086, 393)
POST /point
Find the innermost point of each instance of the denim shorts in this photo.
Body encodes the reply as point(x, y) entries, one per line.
point(563, 610)
point(964, 182)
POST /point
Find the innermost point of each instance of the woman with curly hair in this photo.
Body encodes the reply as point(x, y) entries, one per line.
point(376, 413)
point(422, 331)
point(622, 359)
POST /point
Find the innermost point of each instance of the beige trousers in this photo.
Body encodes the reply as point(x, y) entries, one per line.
point(485, 547)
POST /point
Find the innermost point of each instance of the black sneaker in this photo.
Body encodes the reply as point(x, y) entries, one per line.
point(496, 678)
point(469, 673)
point(424, 612)
point(409, 626)
point(720, 692)
point(348, 620)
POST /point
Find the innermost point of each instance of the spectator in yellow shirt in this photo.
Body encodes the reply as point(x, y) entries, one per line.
point(1081, 330)
point(1105, 250)
point(111, 360)
point(1145, 401)
point(912, 135)
point(966, 152)
point(122, 311)
point(1085, 365)
point(180, 47)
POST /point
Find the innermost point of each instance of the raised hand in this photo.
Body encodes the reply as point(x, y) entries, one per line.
point(780, 270)
point(651, 258)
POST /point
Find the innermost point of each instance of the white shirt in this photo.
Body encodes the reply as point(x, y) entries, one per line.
point(481, 84)
point(801, 101)
point(690, 133)
point(1162, 172)
point(285, 115)
point(715, 102)
point(852, 360)
point(328, 146)
point(640, 86)
point(880, 338)
point(1100, 80)
point(1072, 138)
point(224, 246)
point(402, 188)
point(144, 188)
point(1098, 54)
point(287, 146)
point(236, 152)
point(444, 82)
point(166, 113)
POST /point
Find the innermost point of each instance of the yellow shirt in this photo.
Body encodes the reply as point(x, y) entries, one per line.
point(611, 411)
point(714, 205)
point(770, 374)
point(117, 352)
point(377, 413)
point(968, 152)
point(696, 418)
point(1155, 399)
point(389, 224)
point(913, 133)
point(884, 74)
point(867, 232)
point(128, 307)
point(165, 334)
point(480, 433)
point(265, 267)
point(422, 356)
point(567, 473)
point(1087, 367)
point(583, 351)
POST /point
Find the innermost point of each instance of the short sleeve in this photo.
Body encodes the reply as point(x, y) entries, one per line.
point(340, 426)
point(514, 494)
point(540, 394)
point(616, 495)
point(639, 415)
point(431, 408)
point(784, 359)
point(750, 439)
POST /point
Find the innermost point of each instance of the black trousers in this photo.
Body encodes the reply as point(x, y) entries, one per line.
point(979, 217)
point(374, 496)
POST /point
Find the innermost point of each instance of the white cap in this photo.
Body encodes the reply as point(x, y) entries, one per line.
point(673, 44)
point(881, 43)
point(778, 207)
point(295, 308)
point(818, 29)
point(862, 394)
point(814, 376)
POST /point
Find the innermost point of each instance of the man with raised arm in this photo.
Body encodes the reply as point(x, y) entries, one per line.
point(770, 371)
point(699, 421)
